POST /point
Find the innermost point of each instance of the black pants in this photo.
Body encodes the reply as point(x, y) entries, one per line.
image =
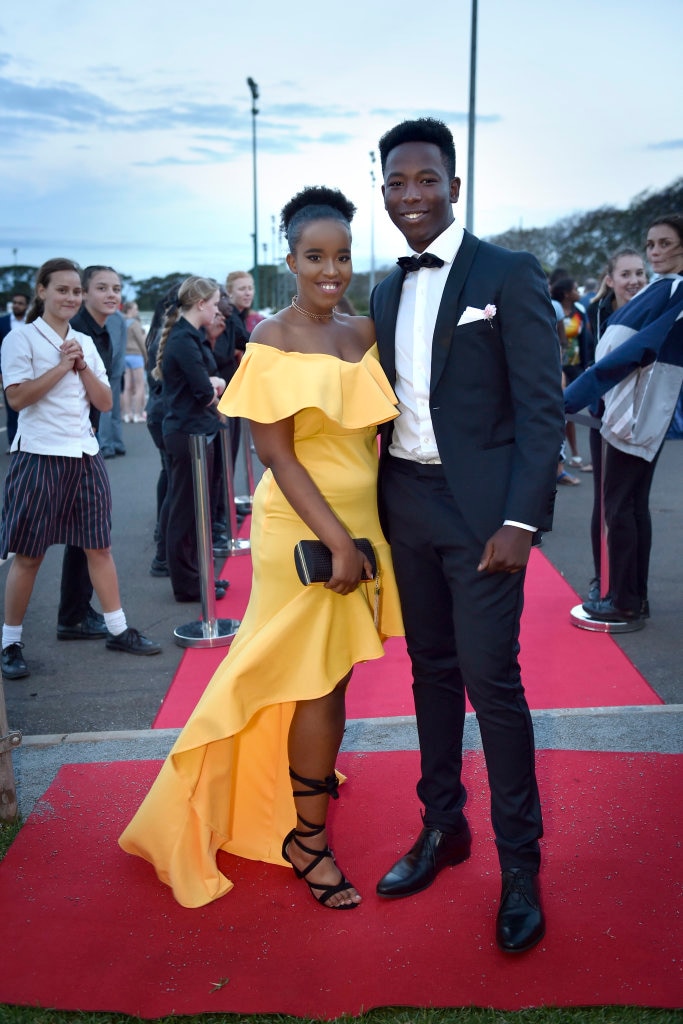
point(595, 442)
point(462, 630)
point(162, 490)
point(628, 480)
point(12, 423)
point(76, 587)
point(181, 531)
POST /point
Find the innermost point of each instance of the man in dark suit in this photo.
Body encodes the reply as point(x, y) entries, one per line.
point(7, 324)
point(467, 481)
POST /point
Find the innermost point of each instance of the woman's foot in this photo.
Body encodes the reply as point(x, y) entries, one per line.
point(317, 867)
point(565, 479)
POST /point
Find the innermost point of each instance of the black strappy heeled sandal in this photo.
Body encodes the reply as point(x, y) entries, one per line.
point(316, 787)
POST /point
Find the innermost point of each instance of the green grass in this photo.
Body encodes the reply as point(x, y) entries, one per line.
point(396, 1015)
point(8, 834)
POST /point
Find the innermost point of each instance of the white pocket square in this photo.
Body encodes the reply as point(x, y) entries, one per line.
point(470, 315)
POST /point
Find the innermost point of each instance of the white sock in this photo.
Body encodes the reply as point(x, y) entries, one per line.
point(116, 622)
point(11, 635)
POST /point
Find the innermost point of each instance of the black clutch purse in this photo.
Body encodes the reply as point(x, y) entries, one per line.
point(313, 560)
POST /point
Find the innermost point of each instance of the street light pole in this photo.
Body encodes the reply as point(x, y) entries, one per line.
point(372, 220)
point(469, 216)
point(253, 87)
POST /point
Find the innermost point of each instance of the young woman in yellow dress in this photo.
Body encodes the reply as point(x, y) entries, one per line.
point(256, 761)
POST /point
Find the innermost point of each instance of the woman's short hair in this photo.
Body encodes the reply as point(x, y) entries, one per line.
point(314, 203)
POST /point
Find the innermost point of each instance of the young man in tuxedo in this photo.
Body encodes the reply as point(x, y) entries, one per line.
point(467, 337)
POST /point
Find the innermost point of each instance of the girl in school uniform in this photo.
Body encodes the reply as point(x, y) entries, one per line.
point(57, 489)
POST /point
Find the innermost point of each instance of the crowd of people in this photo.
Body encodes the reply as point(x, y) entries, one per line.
point(57, 489)
point(643, 388)
point(460, 370)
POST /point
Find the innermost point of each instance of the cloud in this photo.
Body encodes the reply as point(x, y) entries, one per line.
point(51, 105)
point(666, 144)
point(40, 111)
point(307, 110)
point(447, 116)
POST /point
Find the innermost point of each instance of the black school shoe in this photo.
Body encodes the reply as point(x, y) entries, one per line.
point(158, 568)
point(13, 664)
point(91, 628)
point(133, 642)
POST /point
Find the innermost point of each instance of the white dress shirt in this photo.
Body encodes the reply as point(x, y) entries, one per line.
point(413, 435)
point(59, 422)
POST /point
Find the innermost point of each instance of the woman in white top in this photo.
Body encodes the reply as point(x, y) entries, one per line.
point(57, 489)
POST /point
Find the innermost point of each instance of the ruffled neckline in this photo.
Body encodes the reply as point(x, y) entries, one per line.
point(372, 351)
point(272, 384)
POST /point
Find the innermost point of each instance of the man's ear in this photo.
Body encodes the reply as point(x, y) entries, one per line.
point(455, 189)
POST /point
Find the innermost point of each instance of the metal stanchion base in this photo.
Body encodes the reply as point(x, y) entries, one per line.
point(236, 546)
point(580, 618)
point(218, 633)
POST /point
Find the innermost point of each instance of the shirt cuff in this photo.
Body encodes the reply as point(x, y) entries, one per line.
point(522, 526)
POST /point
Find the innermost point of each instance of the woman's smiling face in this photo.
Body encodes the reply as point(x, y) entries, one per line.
point(322, 262)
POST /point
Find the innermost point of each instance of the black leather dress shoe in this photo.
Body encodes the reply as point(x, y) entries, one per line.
point(219, 592)
point(605, 610)
point(90, 628)
point(520, 923)
point(131, 641)
point(416, 871)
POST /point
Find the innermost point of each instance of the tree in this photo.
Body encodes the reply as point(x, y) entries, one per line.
point(151, 290)
point(583, 242)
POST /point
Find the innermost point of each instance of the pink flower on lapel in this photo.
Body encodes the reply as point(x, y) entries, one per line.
point(489, 313)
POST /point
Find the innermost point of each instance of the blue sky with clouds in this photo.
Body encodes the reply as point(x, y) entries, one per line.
point(125, 129)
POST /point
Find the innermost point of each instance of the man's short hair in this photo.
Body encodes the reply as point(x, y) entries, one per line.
point(424, 129)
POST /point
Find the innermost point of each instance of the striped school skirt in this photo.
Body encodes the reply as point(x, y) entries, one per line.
point(54, 499)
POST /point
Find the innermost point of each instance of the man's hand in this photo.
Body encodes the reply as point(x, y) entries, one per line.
point(507, 551)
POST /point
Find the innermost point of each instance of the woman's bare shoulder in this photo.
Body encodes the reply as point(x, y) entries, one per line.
point(269, 332)
point(363, 328)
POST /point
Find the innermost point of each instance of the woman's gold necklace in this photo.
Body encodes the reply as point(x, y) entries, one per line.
point(311, 316)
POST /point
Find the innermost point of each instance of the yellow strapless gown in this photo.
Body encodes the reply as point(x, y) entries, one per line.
point(225, 784)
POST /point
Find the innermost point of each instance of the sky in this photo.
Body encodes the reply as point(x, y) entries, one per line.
point(126, 128)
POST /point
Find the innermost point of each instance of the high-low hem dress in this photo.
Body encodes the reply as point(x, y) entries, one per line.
point(225, 784)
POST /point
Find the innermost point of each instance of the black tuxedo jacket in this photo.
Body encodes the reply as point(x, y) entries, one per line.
point(5, 326)
point(495, 397)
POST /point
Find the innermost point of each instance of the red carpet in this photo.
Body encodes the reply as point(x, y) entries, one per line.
point(90, 928)
point(563, 667)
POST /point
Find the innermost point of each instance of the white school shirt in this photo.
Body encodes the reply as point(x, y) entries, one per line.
point(59, 422)
point(413, 435)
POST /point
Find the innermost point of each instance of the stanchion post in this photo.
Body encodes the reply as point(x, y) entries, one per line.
point(236, 545)
point(209, 631)
point(244, 500)
point(249, 462)
point(8, 742)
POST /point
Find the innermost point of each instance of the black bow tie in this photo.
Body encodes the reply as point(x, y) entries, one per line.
point(427, 259)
